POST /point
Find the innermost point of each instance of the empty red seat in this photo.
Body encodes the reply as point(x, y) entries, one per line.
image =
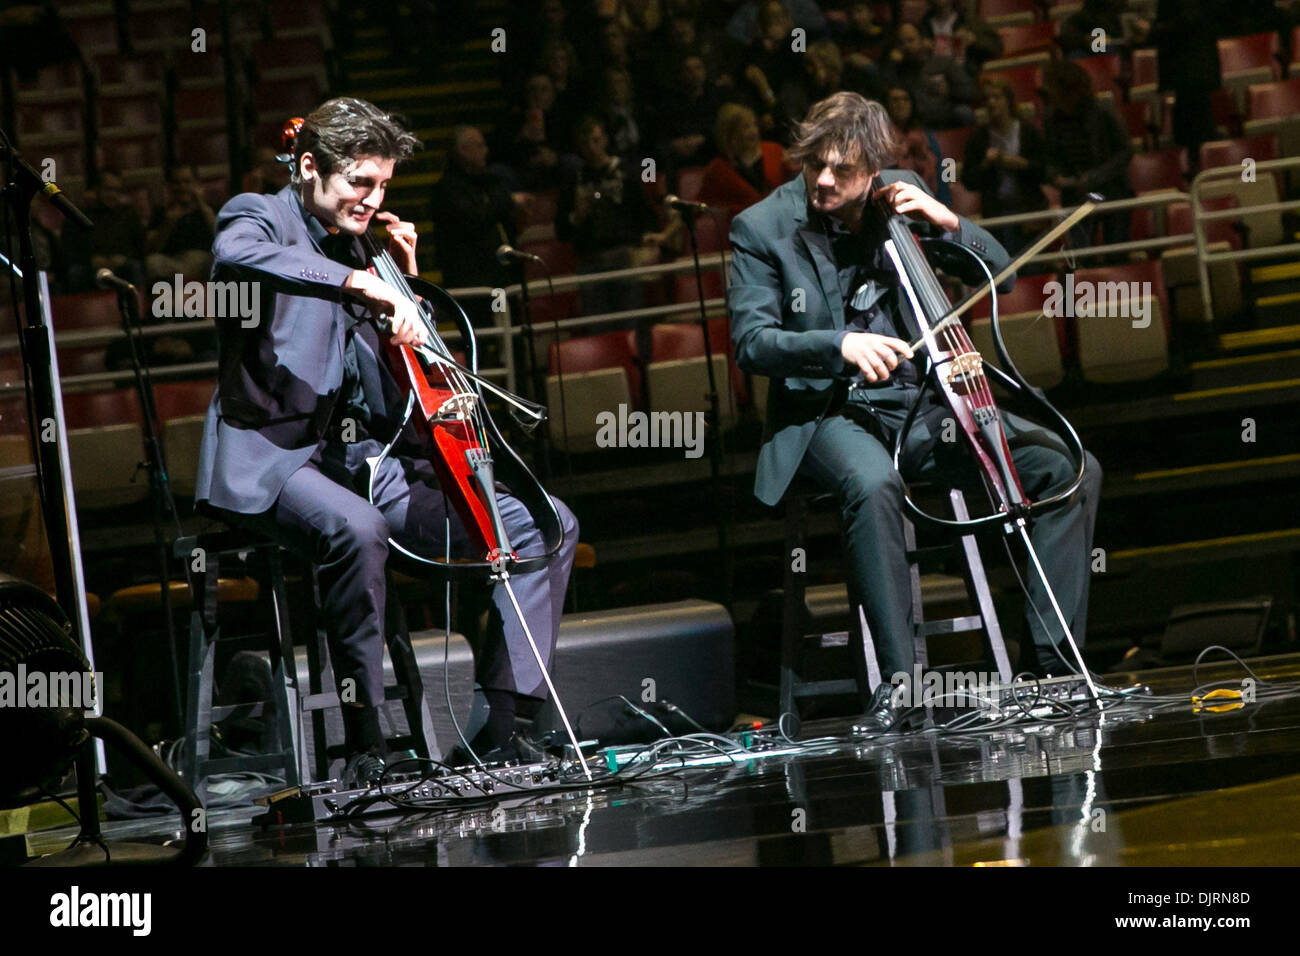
point(590, 353)
point(1273, 100)
point(138, 113)
point(286, 97)
point(182, 399)
point(1136, 117)
point(1231, 152)
point(952, 142)
point(1104, 71)
point(1027, 295)
point(1161, 169)
point(1257, 51)
point(113, 406)
point(202, 146)
point(1027, 37)
point(1146, 67)
point(686, 290)
point(84, 310)
point(689, 181)
point(1003, 12)
point(201, 106)
point(1178, 221)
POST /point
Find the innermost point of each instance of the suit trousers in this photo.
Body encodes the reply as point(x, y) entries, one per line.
point(851, 455)
point(323, 515)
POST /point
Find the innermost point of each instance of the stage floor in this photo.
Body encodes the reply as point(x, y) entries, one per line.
point(1149, 783)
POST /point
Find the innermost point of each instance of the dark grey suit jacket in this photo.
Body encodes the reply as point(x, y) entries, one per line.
point(278, 380)
point(780, 260)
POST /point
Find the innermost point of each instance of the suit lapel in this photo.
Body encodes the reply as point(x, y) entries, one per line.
point(818, 247)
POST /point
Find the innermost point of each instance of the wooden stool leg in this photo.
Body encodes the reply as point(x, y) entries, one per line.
point(793, 598)
point(978, 585)
point(284, 677)
point(319, 676)
point(920, 650)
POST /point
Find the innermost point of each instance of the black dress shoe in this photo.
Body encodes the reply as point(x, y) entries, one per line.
point(883, 715)
point(362, 770)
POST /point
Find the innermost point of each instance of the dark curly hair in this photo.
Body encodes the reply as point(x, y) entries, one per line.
point(341, 129)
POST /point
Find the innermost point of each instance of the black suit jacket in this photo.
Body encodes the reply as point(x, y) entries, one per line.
point(787, 318)
point(279, 377)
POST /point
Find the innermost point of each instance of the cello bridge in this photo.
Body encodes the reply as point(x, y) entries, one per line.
point(965, 366)
point(457, 408)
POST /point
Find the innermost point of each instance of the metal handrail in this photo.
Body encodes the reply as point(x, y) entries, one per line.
point(1200, 216)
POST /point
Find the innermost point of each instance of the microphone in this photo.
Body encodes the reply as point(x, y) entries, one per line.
point(105, 279)
point(507, 254)
point(685, 205)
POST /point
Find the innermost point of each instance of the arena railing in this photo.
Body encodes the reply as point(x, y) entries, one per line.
point(508, 325)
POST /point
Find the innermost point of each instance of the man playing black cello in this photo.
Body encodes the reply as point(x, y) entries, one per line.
point(817, 308)
point(303, 400)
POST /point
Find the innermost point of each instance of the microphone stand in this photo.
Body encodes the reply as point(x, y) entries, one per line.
point(160, 493)
point(715, 444)
point(535, 374)
point(21, 184)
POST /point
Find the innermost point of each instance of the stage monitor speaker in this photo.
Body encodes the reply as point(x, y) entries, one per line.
point(681, 652)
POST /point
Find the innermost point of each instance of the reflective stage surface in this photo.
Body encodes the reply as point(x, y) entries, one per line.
point(1148, 783)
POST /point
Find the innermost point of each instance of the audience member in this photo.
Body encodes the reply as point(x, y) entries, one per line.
point(179, 239)
point(1088, 148)
point(116, 242)
point(473, 214)
point(685, 120)
point(1004, 164)
point(604, 212)
point(745, 24)
point(941, 89)
point(268, 174)
point(918, 151)
point(959, 34)
point(621, 117)
point(747, 167)
point(530, 140)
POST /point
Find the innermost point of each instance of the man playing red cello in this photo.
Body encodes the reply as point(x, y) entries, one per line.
point(303, 401)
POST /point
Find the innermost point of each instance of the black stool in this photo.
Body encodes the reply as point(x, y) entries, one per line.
point(793, 688)
point(289, 703)
point(205, 554)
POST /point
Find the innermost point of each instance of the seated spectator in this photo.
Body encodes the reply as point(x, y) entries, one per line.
point(825, 73)
point(747, 168)
point(745, 24)
point(771, 64)
point(863, 43)
point(959, 34)
point(685, 121)
point(1004, 164)
point(179, 240)
point(473, 214)
point(604, 212)
point(1077, 39)
point(1088, 148)
point(529, 140)
point(919, 151)
point(621, 116)
point(268, 174)
point(116, 242)
point(941, 89)
point(686, 37)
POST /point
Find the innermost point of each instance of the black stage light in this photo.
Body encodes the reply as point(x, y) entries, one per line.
point(41, 737)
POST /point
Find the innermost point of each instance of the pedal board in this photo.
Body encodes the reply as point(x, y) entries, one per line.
point(327, 801)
